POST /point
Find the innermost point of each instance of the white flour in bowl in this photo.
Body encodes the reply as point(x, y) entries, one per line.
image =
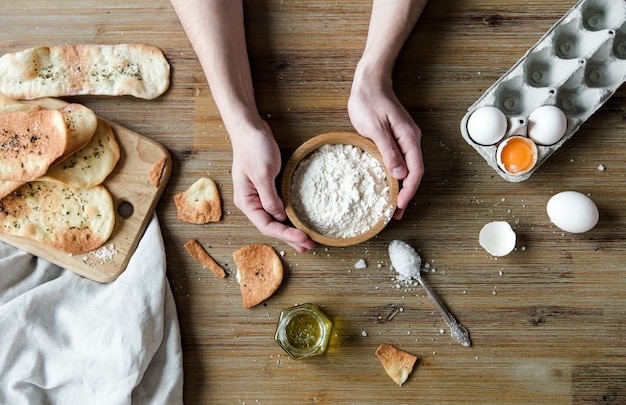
point(340, 191)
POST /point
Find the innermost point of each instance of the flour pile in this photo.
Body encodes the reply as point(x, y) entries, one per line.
point(340, 191)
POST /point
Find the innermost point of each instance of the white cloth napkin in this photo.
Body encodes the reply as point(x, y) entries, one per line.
point(68, 340)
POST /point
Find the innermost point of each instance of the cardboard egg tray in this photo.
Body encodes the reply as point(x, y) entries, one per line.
point(576, 66)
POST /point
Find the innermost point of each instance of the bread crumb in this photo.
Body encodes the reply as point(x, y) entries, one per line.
point(195, 249)
point(156, 172)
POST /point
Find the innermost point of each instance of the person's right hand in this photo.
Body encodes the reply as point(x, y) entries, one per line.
point(256, 164)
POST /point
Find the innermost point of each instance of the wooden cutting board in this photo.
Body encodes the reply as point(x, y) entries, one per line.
point(135, 197)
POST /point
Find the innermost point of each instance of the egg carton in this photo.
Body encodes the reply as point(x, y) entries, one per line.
point(576, 66)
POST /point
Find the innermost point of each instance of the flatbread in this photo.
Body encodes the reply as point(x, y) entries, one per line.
point(68, 70)
point(92, 164)
point(81, 125)
point(30, 142)
point(397, 363)
point(195, 249)
point(81, 122)
point(259, 273)
point(8, 105)
point(8, 186)
point(200, 203)
point(90, 155)
point(68, 219)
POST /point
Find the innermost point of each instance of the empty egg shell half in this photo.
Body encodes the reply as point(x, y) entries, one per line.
point(573, 69)
point(497, 238)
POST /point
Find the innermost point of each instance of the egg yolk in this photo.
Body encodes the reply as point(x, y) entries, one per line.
point(518, 155)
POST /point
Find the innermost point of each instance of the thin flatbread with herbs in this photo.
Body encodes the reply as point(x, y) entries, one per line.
point(92, 164)
point(30, 142)
point(68, 219)
point(85, 69)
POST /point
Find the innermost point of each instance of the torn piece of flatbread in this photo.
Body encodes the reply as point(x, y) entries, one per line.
point(397, 363)
point(156, 171)
point(68, 70)
point(259, 273)
point(90, 165)
point(200, 203)
point(195, 249)
point(30, 142)
point(71, 220)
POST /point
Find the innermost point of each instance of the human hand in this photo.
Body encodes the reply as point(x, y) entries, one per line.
point(377, 114)
point(256, 163)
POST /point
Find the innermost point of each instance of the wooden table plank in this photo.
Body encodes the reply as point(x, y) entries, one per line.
point(547, 322)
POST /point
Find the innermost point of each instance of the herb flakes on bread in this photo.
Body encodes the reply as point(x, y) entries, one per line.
point(30, 142)
point(68, 219)
point(259, 273)
point(90, 165)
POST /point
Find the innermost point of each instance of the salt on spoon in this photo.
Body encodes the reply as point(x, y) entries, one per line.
point(407, 263)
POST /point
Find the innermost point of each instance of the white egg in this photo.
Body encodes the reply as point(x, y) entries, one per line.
point(547, 125)
point(572, 211)
point(497, 238)
point(487, 125)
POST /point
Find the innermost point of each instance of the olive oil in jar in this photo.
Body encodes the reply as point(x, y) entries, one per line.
point(303, 331)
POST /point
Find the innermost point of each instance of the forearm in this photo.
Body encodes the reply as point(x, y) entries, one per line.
point(215, 29)
point(385, 39)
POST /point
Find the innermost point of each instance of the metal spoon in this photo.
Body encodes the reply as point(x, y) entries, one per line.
point(406, 266)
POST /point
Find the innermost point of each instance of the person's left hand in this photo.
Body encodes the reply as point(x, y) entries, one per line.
point(377, 114)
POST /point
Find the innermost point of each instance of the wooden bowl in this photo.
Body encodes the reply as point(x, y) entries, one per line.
point(334, 138)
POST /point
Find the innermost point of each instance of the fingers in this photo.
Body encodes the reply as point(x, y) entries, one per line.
point(265, 210)
point(411, 144)
point(392, 156)
point(397, 137)
point(272, 228)
point(270, 201)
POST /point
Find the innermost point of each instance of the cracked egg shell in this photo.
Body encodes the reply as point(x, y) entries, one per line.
point(517, 155)
point(497, 238)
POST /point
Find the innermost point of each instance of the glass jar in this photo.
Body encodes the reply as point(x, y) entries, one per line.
point(303, 331)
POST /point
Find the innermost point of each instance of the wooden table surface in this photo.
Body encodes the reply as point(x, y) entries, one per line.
point(547, 322)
